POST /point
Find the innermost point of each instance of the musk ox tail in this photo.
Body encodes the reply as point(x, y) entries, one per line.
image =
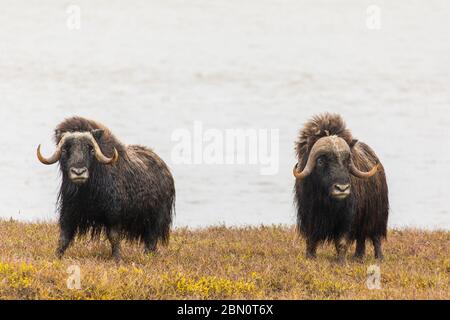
point(164, 228)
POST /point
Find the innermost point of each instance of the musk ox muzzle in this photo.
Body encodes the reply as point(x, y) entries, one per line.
point(79, 175)
point(340, 191)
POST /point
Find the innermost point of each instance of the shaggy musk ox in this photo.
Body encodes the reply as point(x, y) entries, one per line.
point(124, 191)
point(340, 190)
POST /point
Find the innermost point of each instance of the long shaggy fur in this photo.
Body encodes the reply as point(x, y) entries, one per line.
point(321, 219)
point(135, 196)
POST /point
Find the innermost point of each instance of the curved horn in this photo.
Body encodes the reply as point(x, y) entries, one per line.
point(363, 175)
point(310, 164)
point(306, 171)
point(54, 158)
point(323, 144)
point(101, 157)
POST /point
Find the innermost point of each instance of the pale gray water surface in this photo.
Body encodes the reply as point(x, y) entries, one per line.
point(147, 68)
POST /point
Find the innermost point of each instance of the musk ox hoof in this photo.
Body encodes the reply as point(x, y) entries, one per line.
point(150, 247)
point(150, 252)
point(59, 255)
point(117, 258)
point(310, 256)
point(358, 258)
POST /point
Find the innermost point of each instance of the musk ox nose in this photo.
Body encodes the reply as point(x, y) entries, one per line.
point(78, 171)
point(340, 191)
point(341, 187)
point(78, 175)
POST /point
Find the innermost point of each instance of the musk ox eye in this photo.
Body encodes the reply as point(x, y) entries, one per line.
point(91, 149)
point(320, 161)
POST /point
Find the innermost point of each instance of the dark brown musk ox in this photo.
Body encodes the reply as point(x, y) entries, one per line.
point(341, 192)
point(111, 188)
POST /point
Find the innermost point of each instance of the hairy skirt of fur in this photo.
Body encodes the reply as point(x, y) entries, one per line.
point(135, 196)
point(364, 214)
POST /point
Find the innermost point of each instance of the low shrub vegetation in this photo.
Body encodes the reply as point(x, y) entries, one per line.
point(265, 262)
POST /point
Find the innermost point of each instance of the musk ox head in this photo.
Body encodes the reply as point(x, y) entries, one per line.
point(330, 164)
point(76, 153)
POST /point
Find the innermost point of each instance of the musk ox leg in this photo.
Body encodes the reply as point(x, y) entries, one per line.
point(360, 249)
point(311, 248)
point(66, 235)
point(341, 245)
point(114, 239)
point(150, 242)
point(377, 248)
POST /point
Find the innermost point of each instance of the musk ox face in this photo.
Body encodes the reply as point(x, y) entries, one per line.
point(76, 153)
point(77, 156)
point(329, 164)
point(332, 173)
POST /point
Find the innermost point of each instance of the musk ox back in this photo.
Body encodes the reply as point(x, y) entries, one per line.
point(341, 192)
point(123, 191)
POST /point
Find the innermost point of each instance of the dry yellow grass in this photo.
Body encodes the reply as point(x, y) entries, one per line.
point(219, 263)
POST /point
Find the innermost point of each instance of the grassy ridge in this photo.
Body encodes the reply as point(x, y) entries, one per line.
point(219, 263)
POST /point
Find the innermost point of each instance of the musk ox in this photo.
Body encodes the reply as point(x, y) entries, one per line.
point(341, 192)
point(108, 187)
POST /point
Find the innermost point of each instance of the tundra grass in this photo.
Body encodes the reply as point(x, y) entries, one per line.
point(265, 262)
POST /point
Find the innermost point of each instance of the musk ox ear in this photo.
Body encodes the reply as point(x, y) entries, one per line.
point(353, 142)
point(97, 134)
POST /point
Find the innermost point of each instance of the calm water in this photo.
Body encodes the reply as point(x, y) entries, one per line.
point(147, 68)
